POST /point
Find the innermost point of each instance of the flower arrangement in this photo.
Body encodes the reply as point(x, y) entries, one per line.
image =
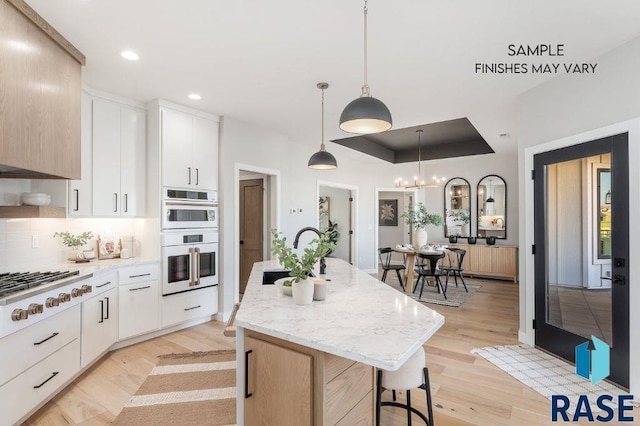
point(300, 266)
point(419, 217)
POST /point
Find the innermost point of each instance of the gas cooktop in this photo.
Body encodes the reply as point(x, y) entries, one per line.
point(11, 283)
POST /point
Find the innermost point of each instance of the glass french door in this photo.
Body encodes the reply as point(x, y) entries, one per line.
point(581, 234)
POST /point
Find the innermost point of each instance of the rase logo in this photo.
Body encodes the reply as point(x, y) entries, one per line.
point(592, 362)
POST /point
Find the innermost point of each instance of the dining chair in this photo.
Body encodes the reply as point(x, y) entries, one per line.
point(385, 255)
point(430, 269)
point(455, 267)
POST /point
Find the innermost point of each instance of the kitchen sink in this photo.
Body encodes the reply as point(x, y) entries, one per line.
point(269, 277)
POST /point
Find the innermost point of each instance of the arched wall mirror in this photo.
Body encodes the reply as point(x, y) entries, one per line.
point(492, 207)
point(457, 208)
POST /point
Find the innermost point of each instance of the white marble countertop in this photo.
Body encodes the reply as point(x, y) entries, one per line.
point(362, 319)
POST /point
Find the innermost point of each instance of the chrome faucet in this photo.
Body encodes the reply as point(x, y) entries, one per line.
point(323, 263)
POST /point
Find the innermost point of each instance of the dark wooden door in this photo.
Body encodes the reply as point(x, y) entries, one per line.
point(251, 227)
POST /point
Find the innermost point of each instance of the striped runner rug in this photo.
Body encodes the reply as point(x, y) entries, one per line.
point(197, 388)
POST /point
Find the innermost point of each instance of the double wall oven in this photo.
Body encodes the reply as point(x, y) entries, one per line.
point(189, 240)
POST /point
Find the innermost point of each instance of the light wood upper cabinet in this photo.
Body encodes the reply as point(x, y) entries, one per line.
point(118, 159)
point(189, 151)
point(40, 96)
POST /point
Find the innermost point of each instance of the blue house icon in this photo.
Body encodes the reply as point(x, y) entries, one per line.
point(592, 360)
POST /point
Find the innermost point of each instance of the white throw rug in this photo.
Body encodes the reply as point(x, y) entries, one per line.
point(546, 374)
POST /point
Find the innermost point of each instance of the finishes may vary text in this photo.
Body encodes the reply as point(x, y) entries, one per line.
point(544, 63)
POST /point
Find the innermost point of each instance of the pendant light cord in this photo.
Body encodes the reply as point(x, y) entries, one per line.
point(322, 131)
point(365, 87)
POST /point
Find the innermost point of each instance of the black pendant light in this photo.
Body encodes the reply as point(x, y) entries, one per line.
point(366, 114)
point(322, 160)
point(490, 199)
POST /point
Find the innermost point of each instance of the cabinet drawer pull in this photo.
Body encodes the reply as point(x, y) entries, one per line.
point(189, 175)
point(77, 191)
point(115, 202)
point(101, 311)
point(107, 299)
point(42, 341)
point(191, 309)
point(126, 203)
point(197, 176)
point(102, 285)
point(55, 373)
point(247, 394)
point(141, 275)
point(139, 288)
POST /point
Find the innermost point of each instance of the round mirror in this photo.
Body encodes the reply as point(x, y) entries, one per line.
point(457, 208)
point(492, 207)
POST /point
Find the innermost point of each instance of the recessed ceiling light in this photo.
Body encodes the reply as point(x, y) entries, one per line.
point(130, 55)
point(195, 96)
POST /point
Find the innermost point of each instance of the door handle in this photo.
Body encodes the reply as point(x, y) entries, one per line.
point(619, 279)
point(241, 241)
point(247, 394)
point(197, 271)
point(192, 259)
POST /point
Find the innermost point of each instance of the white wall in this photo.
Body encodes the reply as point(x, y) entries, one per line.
point(339, 212)
point(568, 110)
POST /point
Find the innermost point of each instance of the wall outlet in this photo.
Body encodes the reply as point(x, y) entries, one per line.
point(35, 241)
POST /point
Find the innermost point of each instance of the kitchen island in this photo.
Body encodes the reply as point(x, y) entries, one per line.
point(315, 364)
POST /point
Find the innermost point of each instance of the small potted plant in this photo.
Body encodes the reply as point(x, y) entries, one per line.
point(300, 266)
point(419, 218)
point(74, 242)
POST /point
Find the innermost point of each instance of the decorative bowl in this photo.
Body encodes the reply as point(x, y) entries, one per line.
point(286, 290)
point(36, 199)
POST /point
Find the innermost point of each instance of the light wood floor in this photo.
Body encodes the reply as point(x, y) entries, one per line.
point(467, 389)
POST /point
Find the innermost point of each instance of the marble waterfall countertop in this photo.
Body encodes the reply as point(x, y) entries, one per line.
point(362, 319)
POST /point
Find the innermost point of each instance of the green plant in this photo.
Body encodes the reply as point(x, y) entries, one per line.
point(74, 241)
point(420, 217)
point(332, 234)
point(461, 215)
point(300, 266)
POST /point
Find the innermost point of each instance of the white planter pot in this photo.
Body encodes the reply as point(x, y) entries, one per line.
point(302, 292)
point(420, 238)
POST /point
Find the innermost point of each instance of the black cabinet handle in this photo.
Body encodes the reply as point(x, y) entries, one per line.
point(126, 203)
point(115, 202)
point(107, 299)
point(197, 176)
point(139, 288)
point(42, 341)
point(102, 285)
point(189, 175)
point(77, 191)
point(191, 309)
point(101, 311)
point(55, 373)
point(141, 275)
point(247, 394)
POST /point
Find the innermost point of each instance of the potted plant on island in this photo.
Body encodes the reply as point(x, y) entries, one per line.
point(419, 218)
point(300, 267)
point(74, 242)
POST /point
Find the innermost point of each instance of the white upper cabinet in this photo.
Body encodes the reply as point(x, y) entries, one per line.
point(80, 190)
point(189, 150)
point(118, 159)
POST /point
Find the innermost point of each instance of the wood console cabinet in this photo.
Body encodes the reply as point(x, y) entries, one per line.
point(490, 261)
point(292, 384)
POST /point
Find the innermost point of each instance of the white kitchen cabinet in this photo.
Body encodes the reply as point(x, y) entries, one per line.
point(100, 318)
point(177, 308)
point(138, 300)
point(189, 150)
point(118, 166)
point(80, 191)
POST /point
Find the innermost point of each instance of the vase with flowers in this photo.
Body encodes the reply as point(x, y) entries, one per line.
point(419, 218)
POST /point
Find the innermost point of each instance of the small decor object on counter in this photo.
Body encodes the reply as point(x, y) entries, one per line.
point(109, 247)
point(300, 267)
point(284, 284)
point(491, 241)
point(419, 218)
point(74, 242)
point(319, 289)
point(36, 199)
point(453, 239)
point(471, 240)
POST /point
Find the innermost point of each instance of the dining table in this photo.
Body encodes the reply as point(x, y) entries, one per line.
point(410, 254)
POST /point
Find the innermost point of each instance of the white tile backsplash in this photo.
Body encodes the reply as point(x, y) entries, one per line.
point(16, 235)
